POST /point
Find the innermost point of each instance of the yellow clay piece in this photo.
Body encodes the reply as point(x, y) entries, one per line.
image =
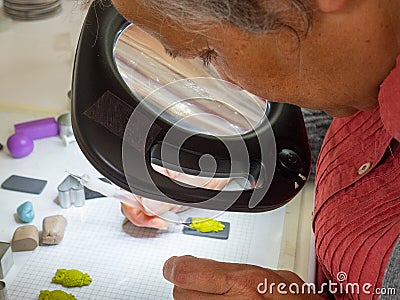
point(55, 295)
point(70, 278)
point(206, 225)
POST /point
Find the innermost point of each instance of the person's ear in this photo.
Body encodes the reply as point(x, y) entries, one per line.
point(329, 6)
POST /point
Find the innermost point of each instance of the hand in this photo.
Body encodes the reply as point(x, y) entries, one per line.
point(148, 216)
point(196, 278)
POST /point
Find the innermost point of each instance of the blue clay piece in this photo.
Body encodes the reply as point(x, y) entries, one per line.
point(25, 212)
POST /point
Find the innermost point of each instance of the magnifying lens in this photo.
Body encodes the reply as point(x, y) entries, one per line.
point(136, 111)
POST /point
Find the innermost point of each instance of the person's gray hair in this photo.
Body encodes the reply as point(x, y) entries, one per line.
point(254, 16)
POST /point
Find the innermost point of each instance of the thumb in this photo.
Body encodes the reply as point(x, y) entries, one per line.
point(203, 275)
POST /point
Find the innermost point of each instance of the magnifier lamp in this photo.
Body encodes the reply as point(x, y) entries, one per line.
point(136, 110)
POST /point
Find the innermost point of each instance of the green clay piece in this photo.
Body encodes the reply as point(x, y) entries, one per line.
point(71, 278)
point(206, 225)
point(55, 295)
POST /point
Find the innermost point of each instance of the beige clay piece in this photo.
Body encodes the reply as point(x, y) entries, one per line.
point(53, 229)
point(26, 238)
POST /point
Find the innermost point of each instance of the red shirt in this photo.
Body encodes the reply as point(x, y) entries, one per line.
point(357, 205)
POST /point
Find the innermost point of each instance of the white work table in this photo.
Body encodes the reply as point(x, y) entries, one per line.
point(256, 238)
point(275, 238)
point(36, 65)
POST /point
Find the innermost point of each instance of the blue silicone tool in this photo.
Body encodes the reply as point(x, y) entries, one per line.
point(25, 212)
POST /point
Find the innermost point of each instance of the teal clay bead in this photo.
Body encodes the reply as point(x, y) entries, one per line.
point(25, 212)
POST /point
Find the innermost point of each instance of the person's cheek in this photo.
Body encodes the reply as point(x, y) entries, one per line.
point(222, 71)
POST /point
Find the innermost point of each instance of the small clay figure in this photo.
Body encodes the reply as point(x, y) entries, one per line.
point(26, 238)
point(53, 229)
point(55, 295)
point(25, 212)
point(71, 278)
point(206, 225)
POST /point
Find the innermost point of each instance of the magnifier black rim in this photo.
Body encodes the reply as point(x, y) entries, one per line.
point(104, 36)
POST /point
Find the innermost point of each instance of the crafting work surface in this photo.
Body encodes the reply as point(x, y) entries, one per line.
point(125, 261)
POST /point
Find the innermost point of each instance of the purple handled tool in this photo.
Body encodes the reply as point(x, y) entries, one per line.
point(38, 129)
point(20, 144)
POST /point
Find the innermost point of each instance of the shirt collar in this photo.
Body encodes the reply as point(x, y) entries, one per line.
point(389, 102)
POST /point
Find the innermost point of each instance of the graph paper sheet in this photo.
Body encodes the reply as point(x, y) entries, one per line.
point(125, 261)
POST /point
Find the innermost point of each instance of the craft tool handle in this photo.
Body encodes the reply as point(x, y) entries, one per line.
point(123, 196)
point(99, 186)
point(110, 190)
